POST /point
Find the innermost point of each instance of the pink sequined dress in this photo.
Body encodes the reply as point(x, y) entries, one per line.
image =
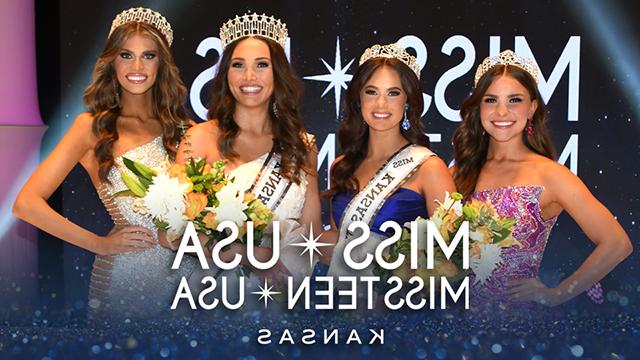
point(523, 204)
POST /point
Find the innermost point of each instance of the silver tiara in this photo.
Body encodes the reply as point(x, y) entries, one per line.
point(507, 57)
point(146, 16)
point(391, 51)
point(253, 24)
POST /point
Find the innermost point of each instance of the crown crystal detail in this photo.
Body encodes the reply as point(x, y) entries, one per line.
point(391, 51)
point(146, 16)
point(507, 57)
point(253, 24)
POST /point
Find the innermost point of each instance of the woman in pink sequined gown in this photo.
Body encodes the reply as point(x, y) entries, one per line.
point(503, 153)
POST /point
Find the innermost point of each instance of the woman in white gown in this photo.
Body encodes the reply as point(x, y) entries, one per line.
point(254, 124)
point(135, 108)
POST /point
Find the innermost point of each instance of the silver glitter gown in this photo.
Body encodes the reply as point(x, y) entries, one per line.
point(134, 285)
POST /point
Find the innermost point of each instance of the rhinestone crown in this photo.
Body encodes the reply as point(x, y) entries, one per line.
point(391, 51)
point(146, 16)
point(253, 24)
point(507, 57)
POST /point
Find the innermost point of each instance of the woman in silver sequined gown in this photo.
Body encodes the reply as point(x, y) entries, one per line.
point(134, 110)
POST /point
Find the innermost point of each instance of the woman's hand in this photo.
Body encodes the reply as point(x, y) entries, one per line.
point(165, 242)
point(229, 254)
point(126, 239)
point(532, 289)
point(275, 276)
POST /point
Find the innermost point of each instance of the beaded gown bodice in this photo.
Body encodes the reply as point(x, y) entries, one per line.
point(523, 204)
point(137, 284)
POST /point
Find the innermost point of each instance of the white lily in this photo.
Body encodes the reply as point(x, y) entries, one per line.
point(450, 203)
point(232, 205)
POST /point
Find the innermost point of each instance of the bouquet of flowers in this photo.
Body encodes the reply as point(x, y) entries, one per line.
point(488, 234)
point(197, 192)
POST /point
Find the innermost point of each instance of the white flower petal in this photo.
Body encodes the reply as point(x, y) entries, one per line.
point(489, 260)
point(232, 205)
point(165, 197)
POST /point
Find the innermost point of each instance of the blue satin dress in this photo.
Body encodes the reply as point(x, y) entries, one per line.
point(402, 206)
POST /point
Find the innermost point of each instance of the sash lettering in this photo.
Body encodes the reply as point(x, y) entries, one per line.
point(270, 186)
point(396, 170)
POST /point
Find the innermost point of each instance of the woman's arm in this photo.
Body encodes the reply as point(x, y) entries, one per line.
point(31, 203)
point(612, 243)
point(435, 180)
point(197, 142)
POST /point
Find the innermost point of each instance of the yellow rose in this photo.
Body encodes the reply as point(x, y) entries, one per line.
point(481, 234)
point(210, 221)
point(248, 197)
point(177, 171)
point(195, 204)
point(257, 221)
point(216, 187)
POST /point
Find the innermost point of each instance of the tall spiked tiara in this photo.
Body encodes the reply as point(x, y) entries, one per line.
point(391, 51)
point(146, 16)
point(253, 24)
point(507, 57)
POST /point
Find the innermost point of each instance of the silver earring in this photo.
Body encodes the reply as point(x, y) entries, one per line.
point(405, 122)
point(274, 107)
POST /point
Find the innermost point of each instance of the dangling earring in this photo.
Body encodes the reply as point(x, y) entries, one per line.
point(274, 107)
point(529, 128)
point(405, 122)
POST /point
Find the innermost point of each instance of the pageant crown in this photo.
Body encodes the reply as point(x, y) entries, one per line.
point(253, 24)
point(507, 57)
point(146, 16)
point(391, 51)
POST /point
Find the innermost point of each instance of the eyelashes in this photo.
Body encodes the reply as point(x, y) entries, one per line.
point(392, 93)
point(147, 56)
point(260, 65)
point(513, 100)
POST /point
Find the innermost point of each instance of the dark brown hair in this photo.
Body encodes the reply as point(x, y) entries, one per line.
point(353, 134)
point(288, 131)
point(471, 142)
point(102, 96)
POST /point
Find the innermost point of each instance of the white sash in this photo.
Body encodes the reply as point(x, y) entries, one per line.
point(366, 204)
point(269, 185)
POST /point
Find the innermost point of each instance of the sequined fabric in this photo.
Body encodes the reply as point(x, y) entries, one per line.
point(523, 204)
point(134, 285)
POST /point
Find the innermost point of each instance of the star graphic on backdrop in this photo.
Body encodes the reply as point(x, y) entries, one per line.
point(337, 77)
point(311, 245)
point(266, 293)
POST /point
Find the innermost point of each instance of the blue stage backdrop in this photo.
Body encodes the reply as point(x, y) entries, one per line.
point(587, 51)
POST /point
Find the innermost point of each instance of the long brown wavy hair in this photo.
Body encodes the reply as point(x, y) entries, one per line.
point(289, 134)
point(471, 142)
point(101, 97)
point(353, 134)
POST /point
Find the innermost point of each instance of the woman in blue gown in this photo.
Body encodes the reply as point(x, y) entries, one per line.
point(386, 170)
